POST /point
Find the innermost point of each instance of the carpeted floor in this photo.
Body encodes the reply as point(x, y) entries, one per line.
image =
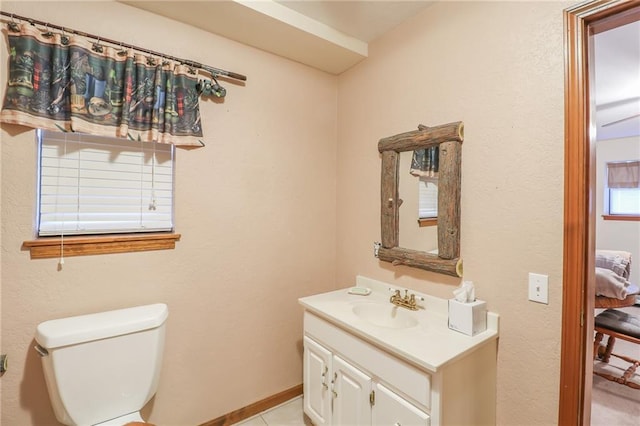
point(613, 404)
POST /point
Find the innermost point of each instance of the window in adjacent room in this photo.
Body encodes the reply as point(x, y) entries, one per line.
point(622, 191)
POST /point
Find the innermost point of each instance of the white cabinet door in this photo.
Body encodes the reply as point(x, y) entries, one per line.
point(351, 389)
point(390, 409)
point(317, 375)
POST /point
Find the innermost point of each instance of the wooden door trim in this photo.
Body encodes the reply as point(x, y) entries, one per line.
point(579, 211)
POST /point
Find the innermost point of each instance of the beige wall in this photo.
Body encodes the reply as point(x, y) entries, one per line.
point(616, 234)
point(499, 68)
point(256, 209)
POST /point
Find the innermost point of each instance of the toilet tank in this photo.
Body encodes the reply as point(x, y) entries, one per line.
point(104, 365)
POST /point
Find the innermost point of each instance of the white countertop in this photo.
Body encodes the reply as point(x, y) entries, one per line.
point(430, 344)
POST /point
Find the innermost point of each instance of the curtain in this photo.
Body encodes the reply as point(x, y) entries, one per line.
point(69, 83)
point(425, 162)
point(624, 174)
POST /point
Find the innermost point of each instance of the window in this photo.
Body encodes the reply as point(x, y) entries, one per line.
point(622, 191)
point(428, 196)
point(428, 201)
point(425, 165)
point(624, 201)
point(97, 186)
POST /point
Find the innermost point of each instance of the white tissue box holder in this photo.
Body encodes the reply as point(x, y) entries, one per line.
point(468, 318)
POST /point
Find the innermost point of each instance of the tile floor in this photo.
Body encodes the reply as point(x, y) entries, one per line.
point(288, 413)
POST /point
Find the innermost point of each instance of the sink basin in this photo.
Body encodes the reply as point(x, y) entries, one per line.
point(385, 315)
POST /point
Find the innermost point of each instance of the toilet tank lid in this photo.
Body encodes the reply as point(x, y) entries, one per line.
point(85, 328)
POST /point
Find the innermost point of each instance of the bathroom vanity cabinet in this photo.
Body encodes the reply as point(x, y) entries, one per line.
point(356, 374)
point(342, 392)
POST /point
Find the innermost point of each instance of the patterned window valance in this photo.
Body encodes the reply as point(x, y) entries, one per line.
point(425, 162)
point(67, 82)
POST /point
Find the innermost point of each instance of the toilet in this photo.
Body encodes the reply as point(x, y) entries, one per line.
point(102, 368)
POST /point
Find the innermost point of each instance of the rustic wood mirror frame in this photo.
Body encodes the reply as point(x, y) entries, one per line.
point(449, 138)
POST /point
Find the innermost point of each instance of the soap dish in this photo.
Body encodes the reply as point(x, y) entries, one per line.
point(360, 291)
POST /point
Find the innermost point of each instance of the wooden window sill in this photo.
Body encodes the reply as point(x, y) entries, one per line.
point(50, 247)
point(429, 221)
point(621, 217)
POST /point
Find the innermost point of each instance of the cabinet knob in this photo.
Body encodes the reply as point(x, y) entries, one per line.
point(324, 375)
point(333, 390)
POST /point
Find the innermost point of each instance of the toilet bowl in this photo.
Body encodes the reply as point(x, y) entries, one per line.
point(102, 368)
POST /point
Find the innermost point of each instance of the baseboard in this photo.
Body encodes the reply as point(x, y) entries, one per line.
point(256, 408)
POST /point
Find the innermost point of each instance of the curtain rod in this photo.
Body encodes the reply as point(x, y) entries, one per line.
point(213, 71)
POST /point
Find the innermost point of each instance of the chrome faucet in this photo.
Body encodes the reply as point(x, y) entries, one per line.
point(407, 301)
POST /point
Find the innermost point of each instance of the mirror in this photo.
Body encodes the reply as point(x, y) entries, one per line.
point(449, 138)
point(412, 231)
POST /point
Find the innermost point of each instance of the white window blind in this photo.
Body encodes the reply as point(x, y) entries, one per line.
point(428, 197)
point(98, 185)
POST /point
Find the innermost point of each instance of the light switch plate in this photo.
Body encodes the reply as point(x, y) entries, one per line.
point(539, 288)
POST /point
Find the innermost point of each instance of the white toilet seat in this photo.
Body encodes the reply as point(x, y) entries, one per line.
point(123, 420)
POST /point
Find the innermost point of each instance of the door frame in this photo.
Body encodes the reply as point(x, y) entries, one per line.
point(576, 361)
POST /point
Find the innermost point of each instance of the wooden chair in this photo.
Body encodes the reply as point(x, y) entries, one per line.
point(616, 324)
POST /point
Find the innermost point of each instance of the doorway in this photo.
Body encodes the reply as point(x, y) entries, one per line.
point(576, 363)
